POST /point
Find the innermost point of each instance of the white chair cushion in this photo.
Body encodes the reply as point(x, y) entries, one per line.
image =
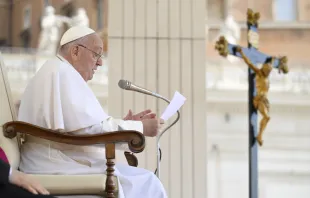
point(74, 184)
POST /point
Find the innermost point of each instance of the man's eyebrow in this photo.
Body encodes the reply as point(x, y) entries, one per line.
point(97, 47)
point(101, 50)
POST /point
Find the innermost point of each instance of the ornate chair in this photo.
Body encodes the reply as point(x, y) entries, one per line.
point(103, 185)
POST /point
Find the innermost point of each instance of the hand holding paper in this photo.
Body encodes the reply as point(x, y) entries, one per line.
point(176, 103)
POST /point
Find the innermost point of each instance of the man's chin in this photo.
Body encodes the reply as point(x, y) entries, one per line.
point(91, 77)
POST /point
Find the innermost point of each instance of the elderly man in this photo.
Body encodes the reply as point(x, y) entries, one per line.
point(59, 98)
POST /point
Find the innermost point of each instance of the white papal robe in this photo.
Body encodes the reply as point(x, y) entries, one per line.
point(58, 98)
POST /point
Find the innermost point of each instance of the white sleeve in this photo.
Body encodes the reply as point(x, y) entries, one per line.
point(110, 125)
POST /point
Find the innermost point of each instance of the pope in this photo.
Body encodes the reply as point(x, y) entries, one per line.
point(58, 98)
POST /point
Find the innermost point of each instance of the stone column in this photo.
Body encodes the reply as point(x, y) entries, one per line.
point(160, 45)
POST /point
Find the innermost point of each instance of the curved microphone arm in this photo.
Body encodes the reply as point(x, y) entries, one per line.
point(173, 123)
point(157, 171)
point(127, 85)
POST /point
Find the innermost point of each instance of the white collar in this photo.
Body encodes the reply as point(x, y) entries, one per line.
point(63, 59)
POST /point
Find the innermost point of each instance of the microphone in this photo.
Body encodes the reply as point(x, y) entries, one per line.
point(125, 84)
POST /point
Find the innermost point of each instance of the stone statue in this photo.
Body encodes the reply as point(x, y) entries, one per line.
point(261, 102)
point(80, 18)
point(51, 25)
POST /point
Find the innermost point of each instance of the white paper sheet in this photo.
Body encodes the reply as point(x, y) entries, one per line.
point(175, 104)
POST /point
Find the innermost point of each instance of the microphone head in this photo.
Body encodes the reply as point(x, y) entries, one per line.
point(124, 84)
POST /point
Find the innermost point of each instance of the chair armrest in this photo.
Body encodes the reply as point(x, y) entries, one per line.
point(135, 139)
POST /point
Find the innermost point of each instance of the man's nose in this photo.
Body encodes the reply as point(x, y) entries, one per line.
point(99, 62)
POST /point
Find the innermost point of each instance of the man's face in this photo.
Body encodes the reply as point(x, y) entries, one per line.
point(88, 56)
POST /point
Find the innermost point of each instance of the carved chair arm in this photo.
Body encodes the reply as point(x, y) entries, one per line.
point(135, 140)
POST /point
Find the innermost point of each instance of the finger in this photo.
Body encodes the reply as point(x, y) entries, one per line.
point(129, 115)
point(126, 117)
point(141, 114)
point(149, 116)
point(31, 189)
point(161, 121)
point(42, 190)
point(39, 188)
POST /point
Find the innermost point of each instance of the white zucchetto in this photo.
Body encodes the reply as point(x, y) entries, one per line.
point(74, 33)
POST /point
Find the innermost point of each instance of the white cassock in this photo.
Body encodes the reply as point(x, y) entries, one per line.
point(58, 98)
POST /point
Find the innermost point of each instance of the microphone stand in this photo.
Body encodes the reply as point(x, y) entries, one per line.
point(128, 86)
point(157, 171)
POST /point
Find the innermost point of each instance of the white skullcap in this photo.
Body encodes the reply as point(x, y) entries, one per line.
point(74, 33)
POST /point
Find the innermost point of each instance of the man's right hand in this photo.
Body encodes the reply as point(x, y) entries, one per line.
point(151, 126)
point(22, 180)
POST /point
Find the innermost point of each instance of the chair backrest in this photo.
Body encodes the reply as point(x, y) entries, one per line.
point(7, 113)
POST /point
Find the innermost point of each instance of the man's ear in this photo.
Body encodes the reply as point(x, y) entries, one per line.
point(75, 52)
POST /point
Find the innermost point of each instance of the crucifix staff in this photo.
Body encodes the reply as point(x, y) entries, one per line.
point(258, 80)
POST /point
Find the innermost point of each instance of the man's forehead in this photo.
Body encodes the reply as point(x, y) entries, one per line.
point(98, 48)
point(96, 42)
